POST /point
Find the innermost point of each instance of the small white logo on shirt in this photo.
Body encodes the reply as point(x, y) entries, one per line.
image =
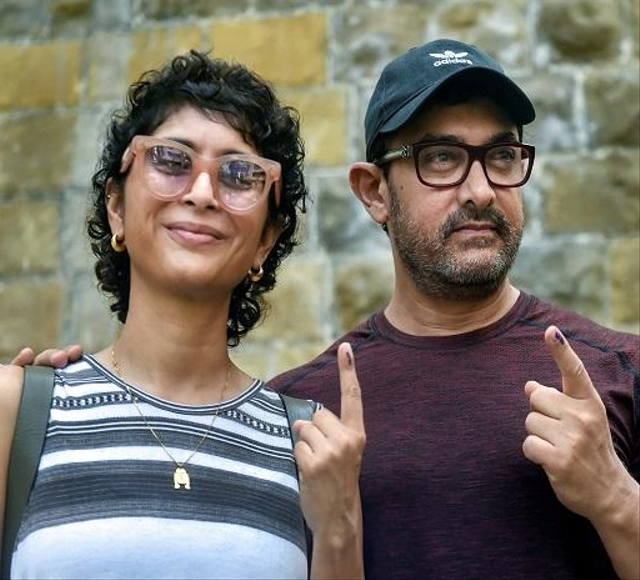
point(450, 57)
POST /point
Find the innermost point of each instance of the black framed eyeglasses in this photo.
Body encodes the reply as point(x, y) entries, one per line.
point(447, 164)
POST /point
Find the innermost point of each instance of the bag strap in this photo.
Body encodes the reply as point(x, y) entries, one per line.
point(297, 409)
point(300, 409)
point(26, 448)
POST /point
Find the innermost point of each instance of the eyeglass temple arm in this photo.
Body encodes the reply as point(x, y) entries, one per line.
point(403, 153)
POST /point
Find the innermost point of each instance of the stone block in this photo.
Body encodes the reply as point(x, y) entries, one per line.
point(595, 193)
point(296, 354)
point(40, 76)
point(625, 278)
point(581, 29)
point(153, 47)
point(323, 123)
point(567, 273)
point(288, 50)
point(30, 315)
point(553, 95)
point(107, 70)
point(507, 36)
point(36, 152)
point(89, 320)
point(29, 237)
point(298, 303)
point(20, 18)
point(362, 287)
point(344, 226)
point(70, 17)
point(367, 37)
point(172, 9)
point(613, 106)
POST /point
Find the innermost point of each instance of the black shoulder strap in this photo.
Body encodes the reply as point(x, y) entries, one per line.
point(300, 409)
point(28, 439)
point(297, 409)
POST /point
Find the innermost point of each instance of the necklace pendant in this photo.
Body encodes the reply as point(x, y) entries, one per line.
point(181, 478)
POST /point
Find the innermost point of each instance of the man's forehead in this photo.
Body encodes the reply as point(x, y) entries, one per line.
point(475, 117)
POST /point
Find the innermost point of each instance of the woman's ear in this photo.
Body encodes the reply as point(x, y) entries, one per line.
point(270, 235)
point(370, 186)
point(115, 208)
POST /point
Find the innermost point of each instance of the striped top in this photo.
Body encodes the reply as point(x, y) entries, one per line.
point(104, 503)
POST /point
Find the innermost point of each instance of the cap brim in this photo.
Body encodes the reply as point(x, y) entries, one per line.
point(504, 90)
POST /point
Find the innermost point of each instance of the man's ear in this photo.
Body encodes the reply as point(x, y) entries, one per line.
point(370, 186)
point(115, 208)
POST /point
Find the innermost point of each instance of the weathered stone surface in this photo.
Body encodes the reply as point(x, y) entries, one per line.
point(35, 152)
point(30, 315)
point(151, 48)
point(65, 64)
point(29, 237)
point(565, 272)
point(582, 29)
point(297, 303)
point(323, 122)
point(191, 9)
point(40, 76)
point(625, 278)
point(613, 107)
point(595, 193)
point(287, 50)
point(363, 287)
point(367, 37)
point(20, 18)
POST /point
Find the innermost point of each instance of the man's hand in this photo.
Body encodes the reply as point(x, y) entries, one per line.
point(52, 357)
point(329, 456)
point(568, 432)
point(569, 436)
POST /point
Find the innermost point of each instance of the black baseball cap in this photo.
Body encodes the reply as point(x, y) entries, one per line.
point(407, 82)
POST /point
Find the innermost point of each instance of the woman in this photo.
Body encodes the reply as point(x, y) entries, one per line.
point(162, 458)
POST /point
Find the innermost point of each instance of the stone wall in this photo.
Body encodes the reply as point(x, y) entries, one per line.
point(65, 63)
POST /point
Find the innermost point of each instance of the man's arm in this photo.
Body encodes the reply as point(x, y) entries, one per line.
point(11, 378)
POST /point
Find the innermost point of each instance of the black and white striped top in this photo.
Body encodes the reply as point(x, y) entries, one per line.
point(104, 503)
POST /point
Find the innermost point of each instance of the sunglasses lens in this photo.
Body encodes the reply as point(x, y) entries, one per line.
point(241, 183)
point(167, 169)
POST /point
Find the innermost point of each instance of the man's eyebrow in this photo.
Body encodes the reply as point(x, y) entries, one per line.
point(451, 138)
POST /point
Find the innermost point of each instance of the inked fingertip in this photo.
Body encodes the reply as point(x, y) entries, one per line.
point(558, 337)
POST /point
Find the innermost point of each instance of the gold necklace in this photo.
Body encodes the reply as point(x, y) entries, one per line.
point(180, 475)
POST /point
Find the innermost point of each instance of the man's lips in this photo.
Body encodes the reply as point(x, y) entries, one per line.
point(474, 228)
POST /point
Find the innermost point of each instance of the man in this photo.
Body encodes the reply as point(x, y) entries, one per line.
point(492, 452)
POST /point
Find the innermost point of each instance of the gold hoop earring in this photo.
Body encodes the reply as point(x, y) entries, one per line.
point(256, 276)
point(117, 245)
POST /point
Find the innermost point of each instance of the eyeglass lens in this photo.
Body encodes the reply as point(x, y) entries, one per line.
point(447, 164)
point(240, 181)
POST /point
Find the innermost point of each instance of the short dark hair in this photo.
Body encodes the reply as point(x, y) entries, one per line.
point(250, 106)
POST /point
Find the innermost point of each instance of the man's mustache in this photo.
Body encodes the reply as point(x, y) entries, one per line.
point(463, 215)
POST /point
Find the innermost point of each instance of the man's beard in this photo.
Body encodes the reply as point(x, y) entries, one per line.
point(439, 270)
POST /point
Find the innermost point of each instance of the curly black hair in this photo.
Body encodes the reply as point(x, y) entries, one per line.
point(249, 105)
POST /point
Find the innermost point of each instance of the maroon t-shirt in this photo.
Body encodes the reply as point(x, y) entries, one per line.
point(447, 492)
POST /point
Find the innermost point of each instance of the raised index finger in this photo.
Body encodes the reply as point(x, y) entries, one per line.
point(350, 394)
point(576, 382)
